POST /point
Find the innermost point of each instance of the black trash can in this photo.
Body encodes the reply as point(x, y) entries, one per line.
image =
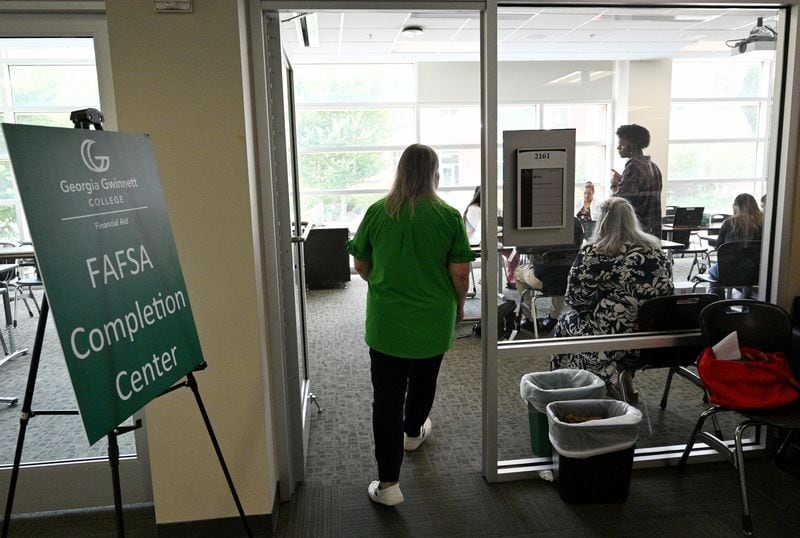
point(540, 388)
point(594, 443)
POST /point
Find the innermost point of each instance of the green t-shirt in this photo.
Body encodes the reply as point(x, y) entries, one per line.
point(411, 303)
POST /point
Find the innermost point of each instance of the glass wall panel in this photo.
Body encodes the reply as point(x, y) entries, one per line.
point(361, 83)
point(516, 117)
point(732, 77)
point(42, 80)
point(459, 167)
point(589, 121)
point(711, 142)
point(711, 160)
point(337, 209)
point(591, 165)
point(359, 128)
point(347, 170)
point(690, 121)
point(714, 196)
point(46, 119)
point(450, 125)
point(53, 85)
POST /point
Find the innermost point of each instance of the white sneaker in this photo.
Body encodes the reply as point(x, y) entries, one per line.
point(412, 443)
point(389, 496)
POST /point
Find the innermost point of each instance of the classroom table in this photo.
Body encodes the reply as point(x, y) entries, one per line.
point(8, 263)
point(9, 350)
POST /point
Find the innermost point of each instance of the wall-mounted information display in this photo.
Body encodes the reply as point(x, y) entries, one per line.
point(538, 187)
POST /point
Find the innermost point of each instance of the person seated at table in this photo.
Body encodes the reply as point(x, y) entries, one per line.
point(533, 274)
point(472, 220)
point(621, 267)
point(587, 209)
point(746, 223)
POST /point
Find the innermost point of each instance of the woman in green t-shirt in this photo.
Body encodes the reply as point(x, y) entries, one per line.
point(412, 249)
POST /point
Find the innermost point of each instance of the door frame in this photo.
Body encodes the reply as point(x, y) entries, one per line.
point(274, 249)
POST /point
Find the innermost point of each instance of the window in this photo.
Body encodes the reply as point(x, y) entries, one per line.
point(353, 122)
point(719, 124)
point(42, 81)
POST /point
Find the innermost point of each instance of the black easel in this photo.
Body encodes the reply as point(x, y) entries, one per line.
point(85, 119)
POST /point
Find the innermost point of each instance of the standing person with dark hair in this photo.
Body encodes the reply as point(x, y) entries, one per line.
point(413, 251)
point(640, 182)
point(472, 220)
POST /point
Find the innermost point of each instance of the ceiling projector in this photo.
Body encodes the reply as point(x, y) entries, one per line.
point(761, 38)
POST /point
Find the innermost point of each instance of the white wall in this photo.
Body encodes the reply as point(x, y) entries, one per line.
point(459, 82)
point(649, 103)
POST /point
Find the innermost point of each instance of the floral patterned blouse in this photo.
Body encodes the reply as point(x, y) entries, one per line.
point(605, 293)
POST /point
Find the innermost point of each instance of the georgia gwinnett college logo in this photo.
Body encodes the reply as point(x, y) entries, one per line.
point(95, 163)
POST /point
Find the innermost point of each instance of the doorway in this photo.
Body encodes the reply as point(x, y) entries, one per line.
point(583, 90)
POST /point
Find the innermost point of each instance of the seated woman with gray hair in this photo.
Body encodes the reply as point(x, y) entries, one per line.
point(619, 269)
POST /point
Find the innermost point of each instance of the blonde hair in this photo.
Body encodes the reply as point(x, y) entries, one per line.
point(618, 226)
point(417, 178)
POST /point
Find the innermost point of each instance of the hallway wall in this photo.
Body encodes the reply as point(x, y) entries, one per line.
point(178, 77)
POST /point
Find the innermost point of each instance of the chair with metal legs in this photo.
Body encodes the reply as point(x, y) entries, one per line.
point(554, 267)
point(762, 326)
point(24, 285)
point(738, 263)
point(669, 313)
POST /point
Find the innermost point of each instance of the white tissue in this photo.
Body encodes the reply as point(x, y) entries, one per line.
point(727, 349)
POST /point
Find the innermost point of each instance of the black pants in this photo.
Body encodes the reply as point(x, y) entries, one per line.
point(402, 396)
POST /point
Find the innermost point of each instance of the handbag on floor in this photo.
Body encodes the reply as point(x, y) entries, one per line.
point(506, 320)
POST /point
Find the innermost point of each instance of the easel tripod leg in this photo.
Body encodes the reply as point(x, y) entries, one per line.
point(113, 460)
point(192, 382)
point(25, 413)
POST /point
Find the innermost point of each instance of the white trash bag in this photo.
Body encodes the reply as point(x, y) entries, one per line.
point(614, 426)
point(541, 388)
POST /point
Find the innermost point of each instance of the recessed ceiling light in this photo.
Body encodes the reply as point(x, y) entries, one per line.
point(411, 31)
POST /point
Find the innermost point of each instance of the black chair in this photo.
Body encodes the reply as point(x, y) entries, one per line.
point(762, 326)
point(553, 270)
point(670, 313)
point(738, 263)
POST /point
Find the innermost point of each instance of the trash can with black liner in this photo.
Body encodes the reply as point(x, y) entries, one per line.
point(538, 389)
point(593, 443)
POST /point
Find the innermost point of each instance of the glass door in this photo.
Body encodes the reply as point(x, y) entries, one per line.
point(300, 231)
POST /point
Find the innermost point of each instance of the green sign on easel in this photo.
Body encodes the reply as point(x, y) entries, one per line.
point(107, 258)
